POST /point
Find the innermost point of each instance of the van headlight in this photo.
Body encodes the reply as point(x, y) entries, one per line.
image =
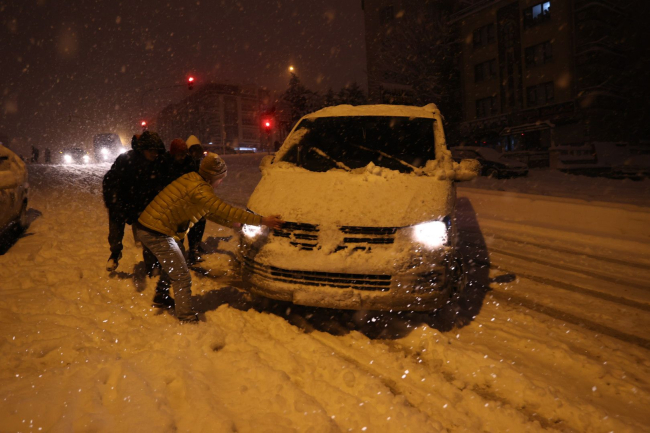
point(432, 234)
point(251, 232)
point(67, 158)
point(86, 159)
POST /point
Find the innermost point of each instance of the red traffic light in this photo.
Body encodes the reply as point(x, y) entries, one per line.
point(267, 124)
point(143, 123)
point(190, 83)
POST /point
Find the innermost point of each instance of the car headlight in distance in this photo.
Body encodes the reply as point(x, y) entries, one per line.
point(432, 234)
point(251, 232)
point(105, 152)
point(86, 159)
point(67, 158)
point(122, 149)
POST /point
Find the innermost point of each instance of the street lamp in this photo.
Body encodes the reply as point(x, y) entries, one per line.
point(292, 69)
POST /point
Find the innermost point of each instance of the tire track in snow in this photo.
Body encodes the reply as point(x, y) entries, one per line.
point(556, 265)
point(571, 318)
point(414, 392)
point(627, 263)
point(577, 289)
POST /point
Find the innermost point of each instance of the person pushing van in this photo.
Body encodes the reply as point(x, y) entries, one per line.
point(166, 220)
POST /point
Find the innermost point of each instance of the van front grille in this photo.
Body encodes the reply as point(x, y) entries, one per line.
point(325, 279)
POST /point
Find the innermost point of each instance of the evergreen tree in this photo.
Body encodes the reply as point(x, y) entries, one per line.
point(352, 94)
point(330, 98)
point(297, 96)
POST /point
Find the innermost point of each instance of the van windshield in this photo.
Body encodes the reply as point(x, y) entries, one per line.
point(398, 143)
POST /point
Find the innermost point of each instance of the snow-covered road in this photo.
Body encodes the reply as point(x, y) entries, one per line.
point(553, 335)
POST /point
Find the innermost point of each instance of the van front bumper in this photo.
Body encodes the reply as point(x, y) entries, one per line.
point(424, 287)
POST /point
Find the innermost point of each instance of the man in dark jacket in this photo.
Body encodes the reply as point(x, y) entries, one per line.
point(135, 178)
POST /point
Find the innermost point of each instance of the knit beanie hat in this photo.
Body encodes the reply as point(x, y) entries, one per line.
point(177, 146)
point(212, 167)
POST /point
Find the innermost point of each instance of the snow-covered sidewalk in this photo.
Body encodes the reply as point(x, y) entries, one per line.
point(82, 351)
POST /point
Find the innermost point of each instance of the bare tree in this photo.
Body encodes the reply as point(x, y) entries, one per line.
point(418, 51)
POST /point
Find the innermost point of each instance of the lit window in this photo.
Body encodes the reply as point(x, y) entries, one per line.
point(537, 14)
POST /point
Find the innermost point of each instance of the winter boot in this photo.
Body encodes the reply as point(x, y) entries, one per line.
point(163, 300)
point(194, 257)
point(113, 261)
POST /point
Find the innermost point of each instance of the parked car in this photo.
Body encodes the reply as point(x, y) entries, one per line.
point(493, 163)
point(107, 147)
point(368, 195)
point(74, 155)
point(635, 167)
point(14, 190)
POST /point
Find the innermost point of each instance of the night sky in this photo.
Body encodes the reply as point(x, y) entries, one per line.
point(71, 69)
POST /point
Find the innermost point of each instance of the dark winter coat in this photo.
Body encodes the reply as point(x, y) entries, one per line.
point(132, 182)
point(187, 165)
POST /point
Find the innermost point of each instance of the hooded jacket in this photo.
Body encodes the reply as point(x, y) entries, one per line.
point(184, 202)
point(133, 181)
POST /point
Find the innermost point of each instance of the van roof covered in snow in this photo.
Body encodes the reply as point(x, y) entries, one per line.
point(376, 110)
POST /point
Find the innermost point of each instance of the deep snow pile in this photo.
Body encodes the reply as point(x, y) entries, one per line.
point(82, 351)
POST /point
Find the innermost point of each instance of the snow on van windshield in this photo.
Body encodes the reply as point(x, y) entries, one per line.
point(397, 143)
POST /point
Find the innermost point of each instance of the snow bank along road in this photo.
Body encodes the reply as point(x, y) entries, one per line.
point(553, 335)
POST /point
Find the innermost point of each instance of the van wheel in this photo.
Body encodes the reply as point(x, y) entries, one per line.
point(459, 279)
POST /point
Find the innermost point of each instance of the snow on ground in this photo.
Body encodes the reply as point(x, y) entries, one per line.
point(547, 182)
point(560, 340)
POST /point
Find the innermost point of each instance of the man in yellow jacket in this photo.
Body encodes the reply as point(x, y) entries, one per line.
point(166, 220)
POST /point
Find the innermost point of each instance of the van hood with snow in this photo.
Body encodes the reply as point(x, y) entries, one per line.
point(375, 197)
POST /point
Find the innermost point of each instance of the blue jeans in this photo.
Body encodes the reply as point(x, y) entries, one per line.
point(171, 259)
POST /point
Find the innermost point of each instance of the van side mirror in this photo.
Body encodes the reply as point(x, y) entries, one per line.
point(467, 169)
point(266, 161)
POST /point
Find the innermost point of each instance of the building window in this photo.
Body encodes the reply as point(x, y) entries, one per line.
point(486, 107)
point(485, 70)
point(386, 15)
point(537, 14)
point(484, 36)
point(541, 94)
point(539, 54)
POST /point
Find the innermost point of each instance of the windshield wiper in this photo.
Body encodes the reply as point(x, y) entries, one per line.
point(415, 169)
point(326, 156)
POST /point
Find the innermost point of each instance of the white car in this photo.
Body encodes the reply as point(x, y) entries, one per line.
point(13, 191)
point(369, 197)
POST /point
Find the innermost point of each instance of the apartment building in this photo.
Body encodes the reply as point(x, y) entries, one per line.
point(220, 115)
point(542, 77)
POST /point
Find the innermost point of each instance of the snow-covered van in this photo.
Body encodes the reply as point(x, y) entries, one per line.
point(368, 197)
